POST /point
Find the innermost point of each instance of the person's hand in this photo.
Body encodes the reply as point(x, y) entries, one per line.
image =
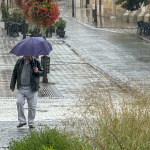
point(35, 69)
point(12, 90)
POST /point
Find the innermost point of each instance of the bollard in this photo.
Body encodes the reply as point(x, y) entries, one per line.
point(45, 63)
point(24, 32)
point(72, 8)
point(95, 18)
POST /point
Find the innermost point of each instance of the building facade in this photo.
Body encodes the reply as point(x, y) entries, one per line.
point(10, 3)
point(109, 9)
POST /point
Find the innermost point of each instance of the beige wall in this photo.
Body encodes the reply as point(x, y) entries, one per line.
point(11, 3)
point(107, 6)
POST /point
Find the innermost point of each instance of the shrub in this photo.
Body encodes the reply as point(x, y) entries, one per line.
point(48, 139)
point(113, 122)
point(5, 11)
point(16, 15)
point(61, 24)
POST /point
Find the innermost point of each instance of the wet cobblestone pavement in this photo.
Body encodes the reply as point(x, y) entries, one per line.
point(121, 55)
point(69, 76)
point(84, 17)
point(51, 112)
point(87, 56)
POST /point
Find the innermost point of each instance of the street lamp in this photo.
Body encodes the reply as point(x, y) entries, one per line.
point(72, 8)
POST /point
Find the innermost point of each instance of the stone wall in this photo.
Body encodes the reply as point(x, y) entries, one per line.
point(119, 12)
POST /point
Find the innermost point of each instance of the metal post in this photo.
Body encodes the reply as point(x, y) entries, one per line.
point(23, 28)
point(95, 19)
point(45, 79)
point(72, 8)
point(100, 12)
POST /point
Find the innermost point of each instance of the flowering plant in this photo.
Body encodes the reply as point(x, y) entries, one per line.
point(42, 13)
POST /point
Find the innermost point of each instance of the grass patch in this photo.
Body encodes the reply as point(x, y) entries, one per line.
point(111, 121)
point(48, 139)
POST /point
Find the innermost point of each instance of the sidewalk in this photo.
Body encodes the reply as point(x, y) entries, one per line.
point(51, 112)
point(117, 25)
point(122, 56)
point(71, 72)
point(69, 76)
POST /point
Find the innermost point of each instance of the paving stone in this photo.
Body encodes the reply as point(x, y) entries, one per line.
point(78, 62)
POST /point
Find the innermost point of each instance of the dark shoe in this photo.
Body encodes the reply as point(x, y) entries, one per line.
point(31, 126)
point(21, 124)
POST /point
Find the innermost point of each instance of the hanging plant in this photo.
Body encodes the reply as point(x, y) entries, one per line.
point(27, 8)
point(42, 13)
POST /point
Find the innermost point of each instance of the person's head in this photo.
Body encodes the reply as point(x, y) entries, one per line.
point(27, 57)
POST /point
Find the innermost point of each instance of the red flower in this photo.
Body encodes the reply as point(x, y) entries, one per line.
point(40, 12)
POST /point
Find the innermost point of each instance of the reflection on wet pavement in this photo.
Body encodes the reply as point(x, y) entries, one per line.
point(85, 15)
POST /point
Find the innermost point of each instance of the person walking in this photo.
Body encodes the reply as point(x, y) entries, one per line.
point(26, 73)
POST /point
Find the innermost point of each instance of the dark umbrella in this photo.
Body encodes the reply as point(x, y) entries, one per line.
point(33, 46)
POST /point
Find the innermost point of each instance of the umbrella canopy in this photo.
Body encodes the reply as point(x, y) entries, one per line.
point(33, 46)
